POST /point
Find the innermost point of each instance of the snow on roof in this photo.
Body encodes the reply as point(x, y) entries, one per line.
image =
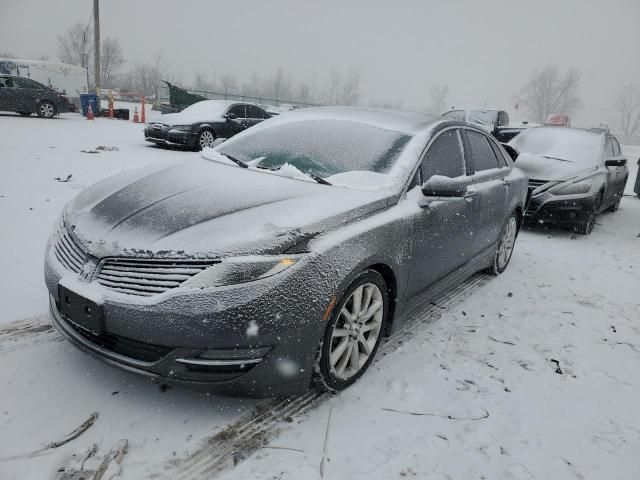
point(43, 64)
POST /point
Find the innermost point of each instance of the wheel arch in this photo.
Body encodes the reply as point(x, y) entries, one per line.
point(390, 280)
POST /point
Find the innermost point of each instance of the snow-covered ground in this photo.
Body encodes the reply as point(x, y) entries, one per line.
point(566, 304)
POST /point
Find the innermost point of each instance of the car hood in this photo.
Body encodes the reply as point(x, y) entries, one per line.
point(206, 208)
point(543, 168)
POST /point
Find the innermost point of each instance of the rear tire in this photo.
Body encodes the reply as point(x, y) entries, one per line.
point(356, 327)
point(506, 244)
point(46, 109)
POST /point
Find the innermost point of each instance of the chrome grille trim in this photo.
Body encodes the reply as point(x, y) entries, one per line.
point(68, 250)
point(146, 277)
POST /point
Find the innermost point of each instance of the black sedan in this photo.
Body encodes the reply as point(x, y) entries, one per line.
point(574, 174)
point(285, 255)
point(26, 96)
point(199, 125)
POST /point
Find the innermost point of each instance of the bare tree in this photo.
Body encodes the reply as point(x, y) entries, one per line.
point(438, 96)
point(6, 54)
point(350, 88)
point(550, 92)
point(74, 46)
point(627, 106)
point(228, 83)
point(111, 60)
point(333, 88)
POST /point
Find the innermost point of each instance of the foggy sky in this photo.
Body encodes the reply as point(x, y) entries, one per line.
point(484, 50)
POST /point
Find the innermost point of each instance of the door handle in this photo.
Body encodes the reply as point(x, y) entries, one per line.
point(506, 183)
point(470, 196)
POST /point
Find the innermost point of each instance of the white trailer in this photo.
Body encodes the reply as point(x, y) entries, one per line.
point(61, 76)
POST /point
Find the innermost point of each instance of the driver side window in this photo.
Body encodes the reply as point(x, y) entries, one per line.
point(238, 111)
point(444, 157)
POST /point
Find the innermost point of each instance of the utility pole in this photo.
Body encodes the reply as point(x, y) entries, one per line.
point(96, 44)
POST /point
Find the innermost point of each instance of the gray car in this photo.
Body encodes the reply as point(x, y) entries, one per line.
point(284, 257)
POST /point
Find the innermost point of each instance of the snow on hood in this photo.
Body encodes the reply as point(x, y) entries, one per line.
point(204, 111)
point(210, 208)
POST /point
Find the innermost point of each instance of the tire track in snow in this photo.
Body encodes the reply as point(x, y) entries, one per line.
point(240, 439)
point(31, 330)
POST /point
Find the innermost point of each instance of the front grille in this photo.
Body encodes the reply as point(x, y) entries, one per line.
point(68, 250)
point(145, 352)
point(148, 277)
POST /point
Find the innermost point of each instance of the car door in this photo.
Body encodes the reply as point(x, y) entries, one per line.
point(28, 94)
point(238, 122)
point(491, 185)
point(610, 173)
point(255, 115)
point(5, 103)
point(616, 176)
point(11, 95)
point(443, 226)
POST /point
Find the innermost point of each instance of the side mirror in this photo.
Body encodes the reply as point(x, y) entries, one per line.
point(230, 116)
point(439, 186)
point(513, 153)
point(619, 162)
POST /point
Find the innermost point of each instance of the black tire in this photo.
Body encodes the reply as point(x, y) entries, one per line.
point(586, 226)
point(324, 373)
point(507, 236)
point(616, 205)
point(205, 138)
point(25, 114)
point(46, 109)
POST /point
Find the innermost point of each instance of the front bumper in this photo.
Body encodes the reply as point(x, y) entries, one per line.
point(560, 209)
point(161, 336)
point(166, 136)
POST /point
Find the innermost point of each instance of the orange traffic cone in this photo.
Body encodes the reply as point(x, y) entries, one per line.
point(90, 113)
point(142, 117)
point(135, 116)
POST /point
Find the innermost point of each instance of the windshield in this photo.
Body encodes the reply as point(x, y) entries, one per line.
point(482, 117)
point(321, 147)
point(577, 146)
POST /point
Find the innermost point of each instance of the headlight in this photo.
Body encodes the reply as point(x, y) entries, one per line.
point(582, 186)
point(232, 271)
point(181, 128)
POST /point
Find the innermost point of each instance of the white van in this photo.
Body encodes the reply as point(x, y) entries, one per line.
point(68, 78)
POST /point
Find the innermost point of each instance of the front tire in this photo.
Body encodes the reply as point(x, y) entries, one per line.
point(206, 139)
point(506, 245)
point(46, 109)
point(586, 227)
point(351, 340)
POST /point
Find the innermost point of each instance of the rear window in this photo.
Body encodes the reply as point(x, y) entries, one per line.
point(562, 143)
point(321, 147)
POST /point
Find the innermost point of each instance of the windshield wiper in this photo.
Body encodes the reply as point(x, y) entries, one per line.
point(318, 179)
point(240, 163)
point(556, 158)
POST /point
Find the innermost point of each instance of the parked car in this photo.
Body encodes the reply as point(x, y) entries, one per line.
point(200, 124)
point(496, 122)
point(558, 120)
point(26, 96)
point(285, 257)
point(574, 174)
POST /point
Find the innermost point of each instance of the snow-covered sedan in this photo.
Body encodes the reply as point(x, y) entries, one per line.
point(201, 124)
point(285, 254)
point(574, 174)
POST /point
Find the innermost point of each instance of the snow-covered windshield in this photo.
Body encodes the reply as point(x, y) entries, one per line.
point(579, 146)
point(485, 118)
point(321, 147)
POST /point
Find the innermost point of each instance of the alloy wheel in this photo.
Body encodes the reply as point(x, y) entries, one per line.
point(507, 242)
point(46, 110)
point(356, 331)
point(206, 139)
